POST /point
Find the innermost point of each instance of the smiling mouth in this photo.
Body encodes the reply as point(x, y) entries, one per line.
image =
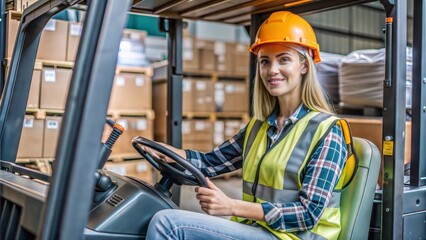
point(275, 80)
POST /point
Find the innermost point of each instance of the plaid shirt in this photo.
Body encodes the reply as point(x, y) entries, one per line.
point(320, 177)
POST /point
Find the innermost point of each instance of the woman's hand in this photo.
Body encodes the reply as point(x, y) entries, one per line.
point(213, 201)
point(163, 157)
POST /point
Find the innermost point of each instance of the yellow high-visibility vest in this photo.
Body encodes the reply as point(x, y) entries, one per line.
point(278, 178)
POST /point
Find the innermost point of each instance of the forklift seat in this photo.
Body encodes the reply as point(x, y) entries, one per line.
point(356, 200)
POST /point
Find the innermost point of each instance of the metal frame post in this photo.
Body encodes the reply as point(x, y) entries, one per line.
point(418, 152)
point(2, 43)
point(174, 87)
point(256, 21)
point(394, 109)
point(71, 191)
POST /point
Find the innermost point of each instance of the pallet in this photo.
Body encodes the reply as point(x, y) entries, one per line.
point(41, 164)
point(147, 71)
point(214, 116)
point(148, 113)
point(42, 113)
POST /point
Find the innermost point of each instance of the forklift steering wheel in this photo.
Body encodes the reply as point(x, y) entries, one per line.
point(175, 171)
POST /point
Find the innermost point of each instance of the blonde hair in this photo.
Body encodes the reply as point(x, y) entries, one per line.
point(313, 96)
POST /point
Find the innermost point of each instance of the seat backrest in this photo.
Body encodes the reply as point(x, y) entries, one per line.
point(356, 201)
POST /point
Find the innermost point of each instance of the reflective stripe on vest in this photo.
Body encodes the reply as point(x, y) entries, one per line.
point(284, 161)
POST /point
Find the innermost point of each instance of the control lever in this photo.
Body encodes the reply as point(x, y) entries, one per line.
point(106, 148)
point(103, 183)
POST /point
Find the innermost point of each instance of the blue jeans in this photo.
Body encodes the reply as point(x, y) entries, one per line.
point(181, 224)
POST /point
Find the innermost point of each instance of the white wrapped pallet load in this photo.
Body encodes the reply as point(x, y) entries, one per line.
point(361, 78)
point(328, 75)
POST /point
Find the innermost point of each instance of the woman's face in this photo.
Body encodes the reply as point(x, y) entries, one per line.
point(281, 70)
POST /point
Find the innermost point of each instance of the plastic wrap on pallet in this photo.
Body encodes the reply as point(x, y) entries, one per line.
point(328, 75)
point(361, 77)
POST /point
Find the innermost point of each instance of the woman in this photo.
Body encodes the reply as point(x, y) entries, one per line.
point(292, 152)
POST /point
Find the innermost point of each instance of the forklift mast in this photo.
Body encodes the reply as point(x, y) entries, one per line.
point(71, 187)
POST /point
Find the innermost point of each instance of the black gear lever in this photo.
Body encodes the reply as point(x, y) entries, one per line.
point(104, 184)
point(106, 149)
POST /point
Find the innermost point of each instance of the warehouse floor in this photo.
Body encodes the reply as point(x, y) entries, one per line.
point(232, 187)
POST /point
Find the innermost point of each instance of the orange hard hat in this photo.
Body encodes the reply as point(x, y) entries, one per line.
point(286, 27)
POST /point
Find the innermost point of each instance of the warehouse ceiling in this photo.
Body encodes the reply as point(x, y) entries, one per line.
point(233, 11)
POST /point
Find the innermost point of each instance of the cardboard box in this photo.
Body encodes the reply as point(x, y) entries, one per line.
point(140, 169)
point(231, 96)
point(207, 54)
point(132, 48)
point(197, 130)
point(74, 34)
point(21, 5)
point(371, 129)
point(224, 57)
point(226, 129)
point(203, 146)
point(53, 41)
point(159, 100)
point(54, 88)
point(131, 92)
point(134, 126)
point(190, 54)
point(52, 128)
point(12, 27)
point(241, 59)
point(34, 94)
point(197, 134)
point(31, 142)
point(197, 95)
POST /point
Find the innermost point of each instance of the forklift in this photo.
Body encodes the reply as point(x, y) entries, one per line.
point(81, 201)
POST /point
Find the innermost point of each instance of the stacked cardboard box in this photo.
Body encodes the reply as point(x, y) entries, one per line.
point(197, 134)
point(131, 92)
point(54, 87)
point(134, 126)
point(215, 56)
point(231, 96)
point(140, 169)
point(31, 144)
point(34, 94)
point(226, 129)
point(21, 5)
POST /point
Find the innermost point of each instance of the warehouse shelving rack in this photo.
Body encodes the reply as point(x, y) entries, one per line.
point(404, 205)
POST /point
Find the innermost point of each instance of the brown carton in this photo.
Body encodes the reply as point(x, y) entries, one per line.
point(207, 57)
point(371, 128)
point(134, 126)
point(224, 53)
point(31, 142)
point(203, 146)
point(34, 94)
point(74, 33)
point(140, 169)
point(231, 96)
point(197, 95)
point(54, 88)
point(197, 130)
point(52, 128)
point(11, 32)
point(241, 59)
point(53, 41)
point(131, 92)
point(190, 54)
point(160, 108)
